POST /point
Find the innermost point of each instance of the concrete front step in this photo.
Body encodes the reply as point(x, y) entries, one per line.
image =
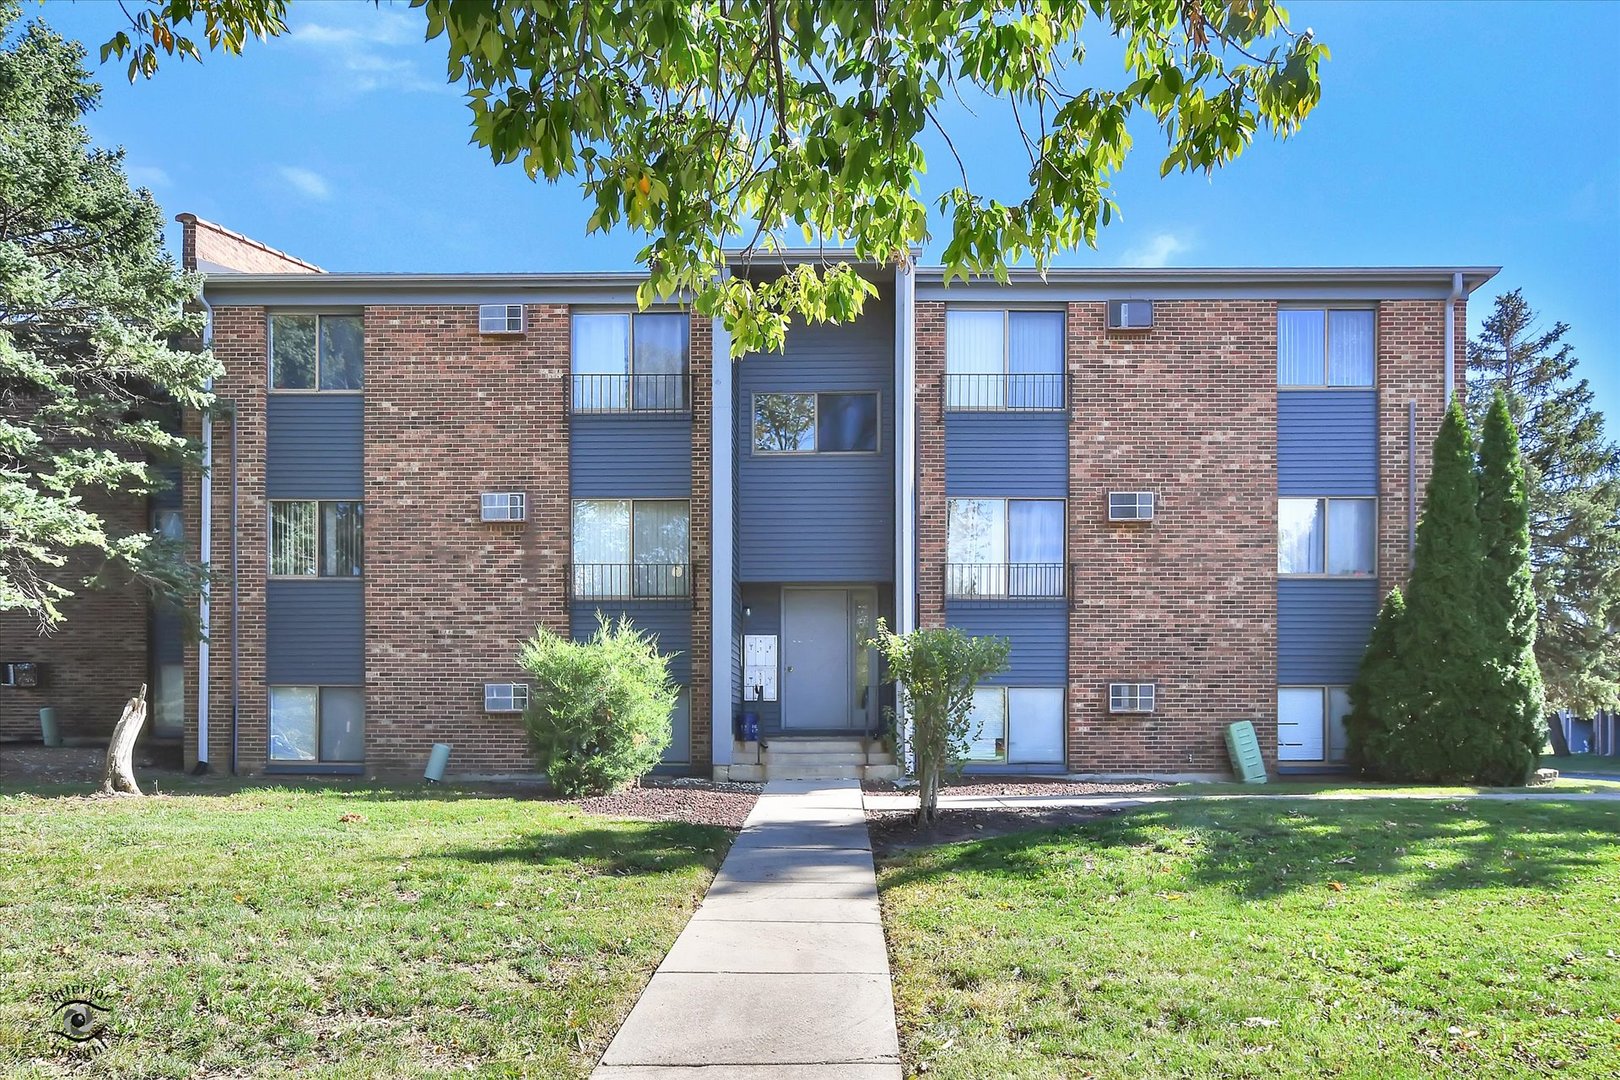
point(794, 771)
point(820, 744)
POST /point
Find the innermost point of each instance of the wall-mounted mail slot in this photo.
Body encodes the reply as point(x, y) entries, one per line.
point(759, 667)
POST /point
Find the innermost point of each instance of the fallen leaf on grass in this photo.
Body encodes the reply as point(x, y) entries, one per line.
point(351, 817)
point(1336, 886)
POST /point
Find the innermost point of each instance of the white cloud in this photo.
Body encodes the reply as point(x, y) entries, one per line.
point(378, 51)
point(306, 182)
point(146, 176)
point(1160, 249)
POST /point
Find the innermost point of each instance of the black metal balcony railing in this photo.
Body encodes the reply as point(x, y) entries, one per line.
point(631, 581)
point(1004, 581)
point(1004, 393)
point(632, 393)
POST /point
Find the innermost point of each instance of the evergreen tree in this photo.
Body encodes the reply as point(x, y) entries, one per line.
point(1507, 602)
point(90, 305)
point(1573, 475)
point(1379, 711)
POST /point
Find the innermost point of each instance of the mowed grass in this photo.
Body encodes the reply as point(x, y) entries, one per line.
point(1233, 938)
point(334, 932)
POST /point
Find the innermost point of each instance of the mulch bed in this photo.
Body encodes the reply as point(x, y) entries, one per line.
point(31, 763)
point(897, 830)
point(696, 802)
point(1024, 786)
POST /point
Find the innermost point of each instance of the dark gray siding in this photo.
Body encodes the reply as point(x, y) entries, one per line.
point(1327, 442)
point(1039, 632)
point(670, 623)
point(630, 457)
point(168, 636)
point(1322, 629)
point(315, 632)
point(313, 446)
point(1007, 454)
point(820, 517)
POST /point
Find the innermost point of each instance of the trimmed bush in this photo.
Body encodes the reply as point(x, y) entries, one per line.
point(1378, 711)
point(599, 712)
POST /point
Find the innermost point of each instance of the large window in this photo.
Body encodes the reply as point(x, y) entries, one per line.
point(316, 352)
point(1310, 723)
point(316, 539)
point(631, 549)
point(1004, 548)
point(996, 360)
point(630, 362)
point(1020, 725)
point(1325, 347)
point(1337, 537)
point(832, 423)
point(317, 724)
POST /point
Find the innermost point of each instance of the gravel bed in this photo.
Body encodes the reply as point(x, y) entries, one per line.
point(697, 802)
point(1025, 786)
point(31, 763)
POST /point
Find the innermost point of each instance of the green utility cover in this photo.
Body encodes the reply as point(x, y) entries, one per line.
point(1244, 748)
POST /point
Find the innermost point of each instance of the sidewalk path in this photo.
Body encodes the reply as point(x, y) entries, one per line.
point(782, 974)
point(1124, 802)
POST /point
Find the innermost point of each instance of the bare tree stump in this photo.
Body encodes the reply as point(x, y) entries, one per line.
point(118, 774)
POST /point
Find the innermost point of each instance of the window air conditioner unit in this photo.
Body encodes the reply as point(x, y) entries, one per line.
point(503, 697)
point(1130, 314)
point(1130, 505)
point(500, 318)
point(503, 506)
point(1130, 697)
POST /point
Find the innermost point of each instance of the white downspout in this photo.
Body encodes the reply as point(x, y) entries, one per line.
point(1451, 335)
point(205, 549)
point(905, 471)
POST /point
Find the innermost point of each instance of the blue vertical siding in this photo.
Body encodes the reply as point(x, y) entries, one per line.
point(1327, 442)
point(626, 456)
point(1322, 629)
point(670, 623)
point(1038, 631)
point(313, 446)
point(1007, 455)
point(315, 632)
point(820, 517)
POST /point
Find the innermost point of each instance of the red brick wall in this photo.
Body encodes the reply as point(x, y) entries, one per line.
point(929, 344)
point(449, 599)
point(1411, 367)
point(1188, 602)
point(700, 533)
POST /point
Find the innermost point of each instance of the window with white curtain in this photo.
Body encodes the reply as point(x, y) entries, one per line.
point(1331, 536)
point(1003, 359)
point(310, 538)
point(1326, 347)
point(987, 725)
point(317, 724)
point(1004, 548)
point(630, 362)
point(1310, 723)
point(631, 548)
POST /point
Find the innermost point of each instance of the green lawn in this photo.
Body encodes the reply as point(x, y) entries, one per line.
point(1353, 787)
point(334, 931)
point(1232, 938)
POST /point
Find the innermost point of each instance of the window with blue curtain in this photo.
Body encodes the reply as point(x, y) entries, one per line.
point(1035, 360)
point(1035, 547)
point(846, 423)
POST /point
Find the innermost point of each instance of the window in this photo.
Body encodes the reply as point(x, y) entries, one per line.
point(1004, 548)
point(1310, 723)
point(501, 697)
point(1003, 360)
point(1336, 537)
point(502, 506)
point(168, 700)
point(317, 723)
point(1322, 347)
point(169, 524)
point(1130, 506)
point(316, 539)
point(987, 725)
point(1016, 725)
point(316, 352)
point(630, 362)
point(1131, 697)
point(832, 423)
point(500, 318)
point(630, 548)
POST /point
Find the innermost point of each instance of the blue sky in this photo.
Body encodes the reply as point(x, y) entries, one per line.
point(1456, 134)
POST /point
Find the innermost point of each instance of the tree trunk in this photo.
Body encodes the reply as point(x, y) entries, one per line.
point(118, 774)
point(1555, 734)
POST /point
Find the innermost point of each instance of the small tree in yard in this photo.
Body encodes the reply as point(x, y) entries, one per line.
point(1378, 708)
point(936, 670)
point(599, 713)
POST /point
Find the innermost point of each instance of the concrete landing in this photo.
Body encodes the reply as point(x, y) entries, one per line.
point(782, 974)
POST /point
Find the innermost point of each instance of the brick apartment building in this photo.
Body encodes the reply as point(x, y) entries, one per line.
point(1179, 493)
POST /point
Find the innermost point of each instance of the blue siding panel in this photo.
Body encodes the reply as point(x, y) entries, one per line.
point(670, 623)
point(1327, 442)
point(1322, 629)
point(313, 446)
point(627, 456)
point(1039, 632)
point(1019, 455)
point(820, 518)
point(315, 632)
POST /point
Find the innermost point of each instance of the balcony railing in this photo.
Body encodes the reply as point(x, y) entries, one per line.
point(631, 581)
point(1004, 581)
point(632, 393)
point(1004, 393)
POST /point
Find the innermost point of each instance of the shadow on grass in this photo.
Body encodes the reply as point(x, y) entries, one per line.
point(1263, 850)
point(628, 848)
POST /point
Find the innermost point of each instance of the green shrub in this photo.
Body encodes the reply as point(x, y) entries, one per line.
point(599, 713)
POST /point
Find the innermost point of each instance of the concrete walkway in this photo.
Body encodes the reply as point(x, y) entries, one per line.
point(782, 974)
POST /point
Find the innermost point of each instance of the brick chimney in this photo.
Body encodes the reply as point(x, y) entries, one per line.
point(214, 249)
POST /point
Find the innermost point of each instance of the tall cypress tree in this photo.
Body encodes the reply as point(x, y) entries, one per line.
point(1507, 601)
point(1446, 671)
point(1379, 711)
